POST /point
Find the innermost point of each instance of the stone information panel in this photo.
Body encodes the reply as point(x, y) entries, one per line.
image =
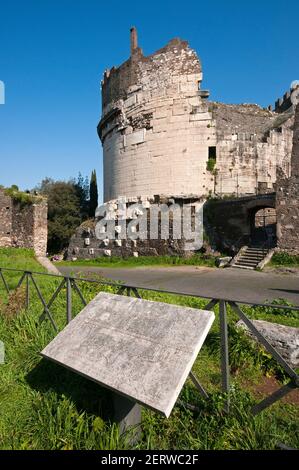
point(140, 349)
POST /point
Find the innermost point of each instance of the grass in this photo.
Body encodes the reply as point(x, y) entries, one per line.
point(284, 259)
point(20, 258)
point(132, 262)
point(44, 406)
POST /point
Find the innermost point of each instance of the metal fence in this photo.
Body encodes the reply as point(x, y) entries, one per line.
point(70, 284)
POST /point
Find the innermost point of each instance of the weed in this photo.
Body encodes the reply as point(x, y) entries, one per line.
point(284, 259)
point(114, 261)
point(15, 303)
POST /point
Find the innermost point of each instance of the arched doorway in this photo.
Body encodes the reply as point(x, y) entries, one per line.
point(263, 226)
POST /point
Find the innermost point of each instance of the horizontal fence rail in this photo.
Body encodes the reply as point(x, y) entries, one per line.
point(70, 284)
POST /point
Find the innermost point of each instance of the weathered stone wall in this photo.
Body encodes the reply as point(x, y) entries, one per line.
point(5, 219)
point(287, 209)
point(23, 225)
point(85, 244)
point(40, 228)
point(252, 143)
point(229, 223)
point(295, 150)
point(287, 200)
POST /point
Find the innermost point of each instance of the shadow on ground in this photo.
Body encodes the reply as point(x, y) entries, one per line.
point(86, 395)
point(291, 291)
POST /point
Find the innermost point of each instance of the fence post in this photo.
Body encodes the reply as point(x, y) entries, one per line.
point(224, 352)
point(27, 291)
point(68, 299)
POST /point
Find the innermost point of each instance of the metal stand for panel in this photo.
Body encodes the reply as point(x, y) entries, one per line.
point(127, 414)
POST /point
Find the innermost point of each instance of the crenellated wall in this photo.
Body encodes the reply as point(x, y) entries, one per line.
point(286, 102)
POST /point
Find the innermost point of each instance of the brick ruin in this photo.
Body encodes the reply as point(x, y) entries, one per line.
point(23, 225)
point(164, 140)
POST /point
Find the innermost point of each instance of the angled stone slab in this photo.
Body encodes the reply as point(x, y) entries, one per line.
point(140, 349)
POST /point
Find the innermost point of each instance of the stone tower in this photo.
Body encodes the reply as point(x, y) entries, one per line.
point(156, 127)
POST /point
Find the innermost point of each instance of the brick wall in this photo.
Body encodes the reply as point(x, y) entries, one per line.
point(5, 219)
point(287, 200)
point(23, 226)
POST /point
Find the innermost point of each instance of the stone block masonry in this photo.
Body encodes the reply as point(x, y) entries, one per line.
point(23, 225)
point(287, 197)
point(85, 244)
point(5, 219)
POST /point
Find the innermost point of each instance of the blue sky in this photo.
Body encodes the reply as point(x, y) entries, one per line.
point(53, 54)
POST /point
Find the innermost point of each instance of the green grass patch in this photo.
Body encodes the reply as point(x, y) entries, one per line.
point(131, 262)
point(19, 258)
point(44, 406)
point(284, 259)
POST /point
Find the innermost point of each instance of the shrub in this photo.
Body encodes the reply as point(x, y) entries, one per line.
point(245, 352)
point(211, 164)
point(284, 258)
point(269, 310)
point(22, 198)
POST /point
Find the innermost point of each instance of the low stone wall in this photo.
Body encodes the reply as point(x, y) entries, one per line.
point(85, 244)
point(226, 222)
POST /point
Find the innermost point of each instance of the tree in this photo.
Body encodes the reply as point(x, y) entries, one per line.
point(64, 212)
point(93, 194)
point(81, 186)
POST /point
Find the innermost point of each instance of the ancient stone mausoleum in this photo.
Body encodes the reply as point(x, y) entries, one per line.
point(23, 224)
point(165, 142)
point(162, 136)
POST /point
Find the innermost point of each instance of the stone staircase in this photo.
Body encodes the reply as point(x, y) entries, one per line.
point(251, 257)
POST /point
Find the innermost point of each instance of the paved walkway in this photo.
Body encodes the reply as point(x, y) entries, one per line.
point(46, 263)
point(230, 283)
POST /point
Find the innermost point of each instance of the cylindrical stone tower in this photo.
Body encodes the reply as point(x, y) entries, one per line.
point(156, 128)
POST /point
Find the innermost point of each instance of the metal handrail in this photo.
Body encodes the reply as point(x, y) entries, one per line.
point(151, 289)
